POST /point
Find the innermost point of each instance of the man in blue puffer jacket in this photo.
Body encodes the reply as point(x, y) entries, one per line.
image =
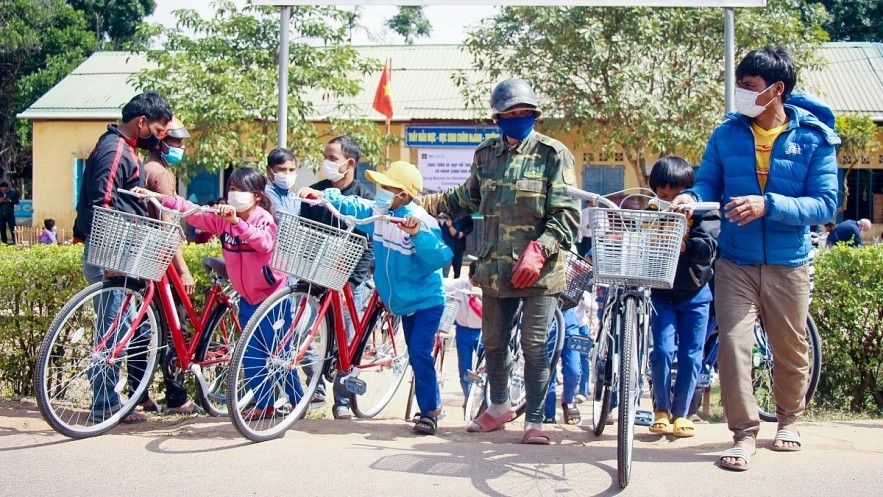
point(774, 167)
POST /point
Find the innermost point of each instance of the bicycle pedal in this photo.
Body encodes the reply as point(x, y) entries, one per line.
point(220, 399)
point(643, 417)
point(580, 344)
point(473, 376)
point(355, 385)
point(704, 381)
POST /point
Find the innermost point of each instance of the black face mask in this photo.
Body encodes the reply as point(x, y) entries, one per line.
point(148, 142)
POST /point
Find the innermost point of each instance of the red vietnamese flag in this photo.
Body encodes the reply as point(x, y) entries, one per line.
point(382, 99)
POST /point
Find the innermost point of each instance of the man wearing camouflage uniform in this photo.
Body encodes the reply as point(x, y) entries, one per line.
point(518, 183)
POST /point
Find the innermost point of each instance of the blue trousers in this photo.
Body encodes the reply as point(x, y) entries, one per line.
point(584, 360)
point(420, 329)
point(685, 322)
point(467, 348)
point(571, 367)
point(262, 376)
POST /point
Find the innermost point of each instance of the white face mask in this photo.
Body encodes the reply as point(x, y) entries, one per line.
point(331, 170)
point(241, 201)
point(744, 102)
point(284, 181)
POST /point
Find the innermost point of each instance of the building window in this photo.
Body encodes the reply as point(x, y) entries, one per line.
point(603, 179)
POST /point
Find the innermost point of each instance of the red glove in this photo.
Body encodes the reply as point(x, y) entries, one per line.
point(527, 269)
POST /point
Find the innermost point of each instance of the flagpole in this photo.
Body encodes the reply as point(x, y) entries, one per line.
point(387, 140)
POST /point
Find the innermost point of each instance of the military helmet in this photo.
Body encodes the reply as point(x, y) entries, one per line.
point(512, 93)
point(176, 129)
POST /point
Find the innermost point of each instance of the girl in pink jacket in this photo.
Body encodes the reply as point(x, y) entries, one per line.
point(247, 232)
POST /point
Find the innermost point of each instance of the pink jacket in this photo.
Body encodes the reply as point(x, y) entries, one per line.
point(247, 248)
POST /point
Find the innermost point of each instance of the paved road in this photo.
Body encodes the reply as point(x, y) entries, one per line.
point(201, 456)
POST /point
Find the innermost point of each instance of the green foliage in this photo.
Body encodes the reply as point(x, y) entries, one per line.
point(114, 22)
point(859, 137)
point(410, 22)
point(221, 75)
point(644, 79)
point(854, 20)
point(848, 310)
point(41, 41)
point(35, 283)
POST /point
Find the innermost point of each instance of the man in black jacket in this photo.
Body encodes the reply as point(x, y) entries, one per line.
point(342, 156)
point(113, 164)
point(8, 201)
point(454, 233)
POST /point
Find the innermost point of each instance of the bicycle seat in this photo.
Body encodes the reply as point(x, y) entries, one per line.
point(216, 265)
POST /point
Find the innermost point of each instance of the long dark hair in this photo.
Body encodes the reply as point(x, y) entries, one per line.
point(249, 179)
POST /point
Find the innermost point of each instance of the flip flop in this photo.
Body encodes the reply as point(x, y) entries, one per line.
point(535, 436)
point(683, 428)
point(787, 436)
point(736, 453)
point(183, 410)
point(661, 423)
point(134, 418)
point(485, 422)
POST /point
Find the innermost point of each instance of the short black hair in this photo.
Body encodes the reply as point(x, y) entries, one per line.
point(672, 171)
point(3, 183)
point(349, 147)
point(771, 63)
point(150, 105)
point(48, 223)
point(249, 179)
point(279, 156)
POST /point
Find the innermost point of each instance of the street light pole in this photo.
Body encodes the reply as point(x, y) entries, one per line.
point(282, 111)
point(729, 58)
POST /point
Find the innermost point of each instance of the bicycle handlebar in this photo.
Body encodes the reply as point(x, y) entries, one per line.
point(153, 200)
point(352, 220)
point(591, 197)
point(660, 204)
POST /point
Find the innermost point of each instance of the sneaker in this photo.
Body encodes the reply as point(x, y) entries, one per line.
point(342, 412)
point(580, 398)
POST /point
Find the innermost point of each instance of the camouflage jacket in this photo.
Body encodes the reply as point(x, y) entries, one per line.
point(521, 194)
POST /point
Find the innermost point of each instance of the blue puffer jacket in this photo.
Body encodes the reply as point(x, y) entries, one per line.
point(801, 188)
point(407, 269)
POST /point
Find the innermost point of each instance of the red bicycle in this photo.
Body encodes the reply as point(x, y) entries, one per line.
point(299, 333)
point(98, 357)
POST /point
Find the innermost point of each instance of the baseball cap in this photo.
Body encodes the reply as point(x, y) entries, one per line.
point(399, 174)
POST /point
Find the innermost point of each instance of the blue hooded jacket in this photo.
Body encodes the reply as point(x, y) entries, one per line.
point(407, 269)
point(801, 187)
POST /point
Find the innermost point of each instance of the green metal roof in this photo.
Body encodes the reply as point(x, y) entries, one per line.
point(423, 89)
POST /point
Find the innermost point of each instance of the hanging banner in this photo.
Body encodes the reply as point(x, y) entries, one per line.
point(443, 168)
point(535, 3)
point(448, 136)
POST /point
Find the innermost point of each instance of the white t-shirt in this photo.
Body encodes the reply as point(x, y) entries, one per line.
point(460, 289)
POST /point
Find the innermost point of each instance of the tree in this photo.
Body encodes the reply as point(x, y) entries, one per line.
point(221, 74)
point(858, 135)
point(854, 20)
point(41, 41)
point(648, 80)
point(410, 22)
point(114, 22)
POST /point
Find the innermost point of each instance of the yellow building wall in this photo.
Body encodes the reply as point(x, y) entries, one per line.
point(56, 145)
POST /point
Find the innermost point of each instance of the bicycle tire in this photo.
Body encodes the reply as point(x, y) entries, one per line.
point(762, 373)
point(601, 376)
point(628, 391)
point(385, 341)
point(476, 399)
point(213, 355)
point(67, 364)
point(260, 382)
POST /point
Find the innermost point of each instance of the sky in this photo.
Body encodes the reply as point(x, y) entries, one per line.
point(447, 26)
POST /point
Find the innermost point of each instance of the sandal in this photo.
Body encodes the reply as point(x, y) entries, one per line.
point(571, 414)
point(534, 436)
point(426, 425)
point(661, 423)
point(787, 437)
point(184, 410)
point(683, 428)
point(150, 406)
point(486, 422)
point(736, 453)
point(134, 418)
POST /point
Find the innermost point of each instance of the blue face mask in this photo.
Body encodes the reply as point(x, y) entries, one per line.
point(517, 127)
point(174, 155)
point(383, 199)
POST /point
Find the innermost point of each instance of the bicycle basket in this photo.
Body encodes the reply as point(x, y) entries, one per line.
point(578, 272)
point(452, 307)
point(316, 252)
point(636, 248)
point(135, 245)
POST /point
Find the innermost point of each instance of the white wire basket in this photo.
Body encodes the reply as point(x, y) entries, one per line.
point(452, 307)
point(316, 252)
point(135, 245)
point(636, 248)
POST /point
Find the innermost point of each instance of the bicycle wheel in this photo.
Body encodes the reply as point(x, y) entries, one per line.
point(476, 400)
point(601, 375)
point(213, 354)
point(762, 369)
point(628, 390)
point(83, 386)
point(382, 361)
point(274, 372)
